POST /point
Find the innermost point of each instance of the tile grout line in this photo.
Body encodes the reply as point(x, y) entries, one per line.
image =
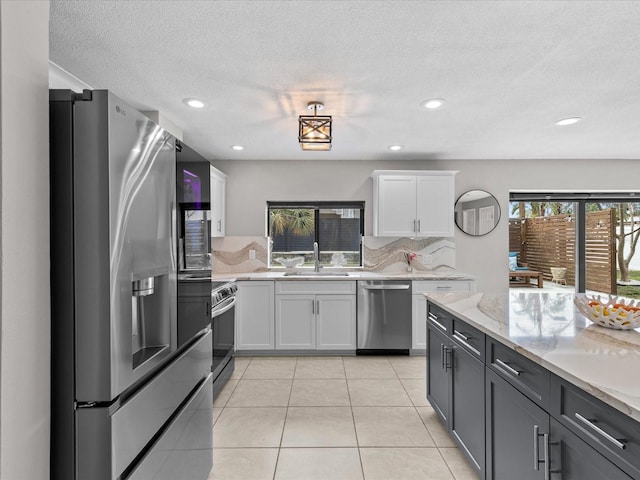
point(353, 419)
point(446, 463)
point(286, 414)
point(360, 448)
point(415, 407)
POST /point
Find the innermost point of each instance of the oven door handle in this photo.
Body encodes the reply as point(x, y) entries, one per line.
point(223, 307)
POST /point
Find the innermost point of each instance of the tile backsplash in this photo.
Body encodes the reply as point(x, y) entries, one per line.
point(381, 254)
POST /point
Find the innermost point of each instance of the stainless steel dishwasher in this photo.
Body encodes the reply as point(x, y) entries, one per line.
point(384, 317)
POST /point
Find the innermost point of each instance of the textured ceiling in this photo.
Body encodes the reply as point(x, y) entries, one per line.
point(508, 70)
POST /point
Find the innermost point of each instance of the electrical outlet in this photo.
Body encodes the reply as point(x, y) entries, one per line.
point(252, 254)
point(427, 259)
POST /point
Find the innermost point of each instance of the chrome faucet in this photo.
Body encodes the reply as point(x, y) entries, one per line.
point(316, 258)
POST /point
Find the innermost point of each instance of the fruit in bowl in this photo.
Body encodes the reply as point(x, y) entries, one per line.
point(613, 312)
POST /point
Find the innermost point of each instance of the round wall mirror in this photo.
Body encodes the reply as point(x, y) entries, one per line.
point(477, 212)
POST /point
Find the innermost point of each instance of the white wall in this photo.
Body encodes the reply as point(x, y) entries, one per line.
point(24, 244)
point(252, 183)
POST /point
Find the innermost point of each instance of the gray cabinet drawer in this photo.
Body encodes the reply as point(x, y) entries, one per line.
point(439, 318)
point(611, 432)
point(572, 459)
point(470, 338)
point(528, 377)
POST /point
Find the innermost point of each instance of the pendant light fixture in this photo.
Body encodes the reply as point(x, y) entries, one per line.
point(314, 132)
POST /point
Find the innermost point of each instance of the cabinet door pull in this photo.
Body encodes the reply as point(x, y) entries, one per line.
point(547, 467)
point(618, 442)
point(461, 335)
point(318, 307)
point(536, 452)
point(313, 307)
point(507, 367)
point(418, 225)
point(448, 358)
point(442, 347)
point(463, 339)
point(444, 287)
point(414, 226)
point(434, 320)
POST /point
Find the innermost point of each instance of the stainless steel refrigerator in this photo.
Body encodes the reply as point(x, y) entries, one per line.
point(128, 401)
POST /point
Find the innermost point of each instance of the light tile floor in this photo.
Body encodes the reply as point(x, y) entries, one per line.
point(331, 418)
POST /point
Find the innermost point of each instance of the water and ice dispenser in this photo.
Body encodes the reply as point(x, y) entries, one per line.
point(150, 318)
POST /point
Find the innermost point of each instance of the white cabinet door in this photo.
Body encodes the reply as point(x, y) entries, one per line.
point(218, 195)
point(419, 315)
point(255, 315)
point(295, 322)
point(396, 205)
point(435, 205)
point(336, 322)
point(413, 203)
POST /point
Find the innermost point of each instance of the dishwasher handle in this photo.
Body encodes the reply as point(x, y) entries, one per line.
point(386, 287)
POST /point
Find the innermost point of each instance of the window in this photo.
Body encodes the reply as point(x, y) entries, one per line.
point(586, 241)
point(337, 227)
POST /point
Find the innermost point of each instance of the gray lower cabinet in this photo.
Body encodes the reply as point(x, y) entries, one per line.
point(467, 408)
point(455, 385)
point(515, 432)
point(437, 373)
point(573, 459)
point(515, 420)
point(524, 442)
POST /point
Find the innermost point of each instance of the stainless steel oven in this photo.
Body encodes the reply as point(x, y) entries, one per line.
point(223, 321)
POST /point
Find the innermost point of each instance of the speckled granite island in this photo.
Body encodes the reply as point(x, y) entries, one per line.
point(556, 387)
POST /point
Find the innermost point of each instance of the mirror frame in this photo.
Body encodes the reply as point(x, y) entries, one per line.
point(492, 202)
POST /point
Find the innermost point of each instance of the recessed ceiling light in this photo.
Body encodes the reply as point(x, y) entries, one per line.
point(237, 147)
point(395, 148)
point(568, 121)
point(433, 103)
point(194, 103)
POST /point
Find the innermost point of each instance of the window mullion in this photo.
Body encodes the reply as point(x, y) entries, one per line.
point(581, 246)
point(316, 222)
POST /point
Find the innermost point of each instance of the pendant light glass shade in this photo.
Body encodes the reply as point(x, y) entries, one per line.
point(314, 132)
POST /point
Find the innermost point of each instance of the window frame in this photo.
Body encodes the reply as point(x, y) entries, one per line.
point(316, 206)
point(580, 200)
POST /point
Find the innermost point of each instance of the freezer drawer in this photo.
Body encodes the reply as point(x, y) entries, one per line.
point(185, 448)
point(109, 441)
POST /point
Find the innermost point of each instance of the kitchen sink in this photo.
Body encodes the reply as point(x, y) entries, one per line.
point(316, 274)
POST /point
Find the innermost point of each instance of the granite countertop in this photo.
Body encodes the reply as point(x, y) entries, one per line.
point(548, 329)
point(354, 275)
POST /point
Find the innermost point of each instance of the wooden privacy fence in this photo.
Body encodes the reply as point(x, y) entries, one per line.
point(545, 242)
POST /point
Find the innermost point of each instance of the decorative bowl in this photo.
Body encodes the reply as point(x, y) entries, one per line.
point(291, 262)
point(613, 312)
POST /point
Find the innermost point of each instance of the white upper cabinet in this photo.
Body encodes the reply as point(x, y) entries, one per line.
point(218, 194)
point(413, 203)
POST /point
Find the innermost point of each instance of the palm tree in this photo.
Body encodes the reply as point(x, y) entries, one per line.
point(297, 221)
